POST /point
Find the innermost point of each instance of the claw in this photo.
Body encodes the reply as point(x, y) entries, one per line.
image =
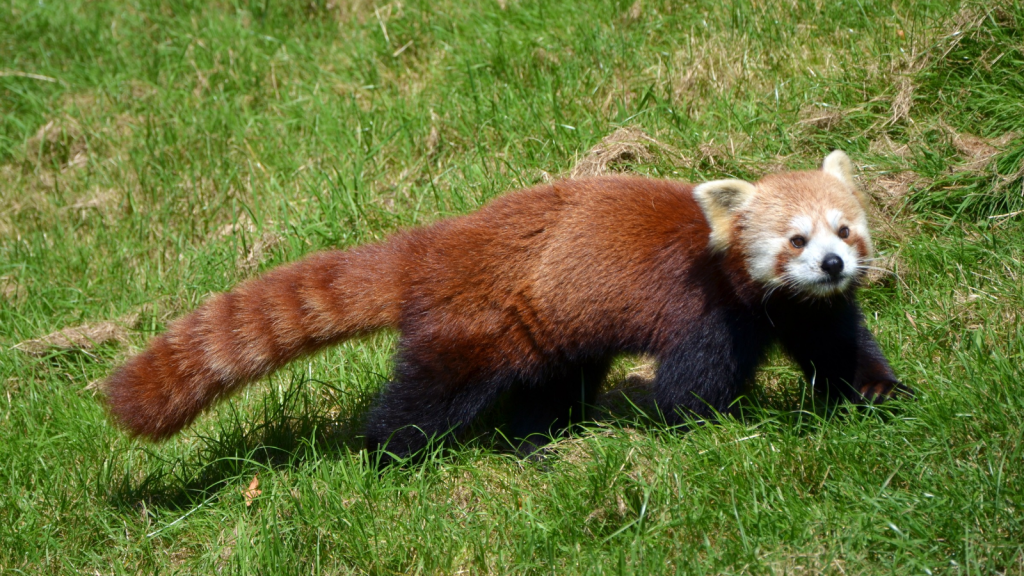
point(878, 392)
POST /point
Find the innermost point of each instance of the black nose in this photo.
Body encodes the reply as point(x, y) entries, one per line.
point(832, 264)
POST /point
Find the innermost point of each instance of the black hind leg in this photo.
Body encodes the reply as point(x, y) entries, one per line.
point(412, 412)
point(538, 411)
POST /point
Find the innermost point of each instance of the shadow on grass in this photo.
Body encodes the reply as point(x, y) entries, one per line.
point(312, 421)
point(801, 409)
point(305, 421)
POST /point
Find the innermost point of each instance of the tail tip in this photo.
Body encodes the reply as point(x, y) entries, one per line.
point(141, 402)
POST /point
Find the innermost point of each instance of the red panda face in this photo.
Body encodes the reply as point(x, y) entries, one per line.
point(803, 231)
point(818, 252)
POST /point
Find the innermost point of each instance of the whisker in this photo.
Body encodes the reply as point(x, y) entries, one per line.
point(771, 290)
point(875, 268)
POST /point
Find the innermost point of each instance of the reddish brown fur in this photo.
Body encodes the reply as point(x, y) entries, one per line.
point(512, 298)
point(256, 328)
point(508, 283)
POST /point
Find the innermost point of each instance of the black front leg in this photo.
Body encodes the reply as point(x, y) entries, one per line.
point(708, 365)
point(836, 351)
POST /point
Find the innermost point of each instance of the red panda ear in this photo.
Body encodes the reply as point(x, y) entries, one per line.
point(719, 199)
point(838, 164)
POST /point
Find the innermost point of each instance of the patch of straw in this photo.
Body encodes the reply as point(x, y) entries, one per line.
point(58, 141)
point(977, 152)
point(635, 11)
point(820, 117)
point(11, 289)
point(883, 270)
point(886, 147)
point(257, 252)
point(889, 189)
point(82, 337)
point(625, 145)
point(902, 102)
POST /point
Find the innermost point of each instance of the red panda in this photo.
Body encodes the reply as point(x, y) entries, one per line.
point(528, 300)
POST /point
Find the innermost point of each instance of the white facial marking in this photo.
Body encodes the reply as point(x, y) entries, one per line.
point(764, 248)
point(860, 230)
point(803, 225)
point(806, 269)
point(835, 218)
point(761, 262)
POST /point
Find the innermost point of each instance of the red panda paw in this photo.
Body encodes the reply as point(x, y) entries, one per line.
point(878, 392)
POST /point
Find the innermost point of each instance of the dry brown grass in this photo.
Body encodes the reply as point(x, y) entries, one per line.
point(890, 189)
point(11, 290)
point(712, 153)
point(888, 192)
point(820, 117)
point(362, 11)
point(816, 563)
point(720, 62)
point(103, 201)
point(60, 142)
point(1006, 180)
point(243, 225)
point(977, 152)
point(902, 101)
point(628, 386)
point(249, 259)
point(64, 171)
point(625, 145)
point(885, 146)
point(257, 253)
point(930, 47)
point(81, 337)
point(886, 270)
point(635, 11)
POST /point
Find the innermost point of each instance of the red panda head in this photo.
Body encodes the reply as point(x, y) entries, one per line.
point(806, 231)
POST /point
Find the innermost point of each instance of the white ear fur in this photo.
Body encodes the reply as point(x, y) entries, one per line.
point(838, 164)
point(719, 199)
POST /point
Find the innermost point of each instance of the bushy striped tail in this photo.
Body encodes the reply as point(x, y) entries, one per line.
point(260, 325)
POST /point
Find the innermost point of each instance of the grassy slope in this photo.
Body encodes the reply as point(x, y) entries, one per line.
point(330, 124)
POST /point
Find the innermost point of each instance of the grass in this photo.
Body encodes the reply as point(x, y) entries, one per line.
point(152, 153)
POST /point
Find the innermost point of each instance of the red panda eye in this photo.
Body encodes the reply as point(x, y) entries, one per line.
point(798, 241)
point(844, 232)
